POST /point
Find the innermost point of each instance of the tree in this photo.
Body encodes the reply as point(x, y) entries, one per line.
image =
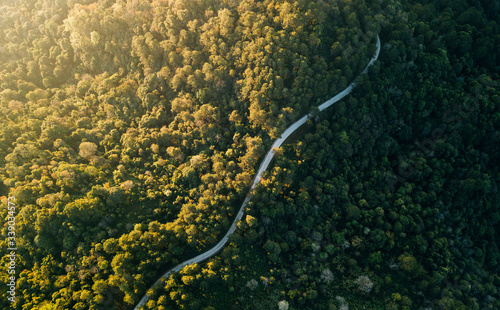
point(327, 275)
point(364, 283)
point(283, 305)
point(87, 149)
point(251, 221)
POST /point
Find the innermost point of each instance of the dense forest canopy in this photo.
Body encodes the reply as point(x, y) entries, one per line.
point(131, 131)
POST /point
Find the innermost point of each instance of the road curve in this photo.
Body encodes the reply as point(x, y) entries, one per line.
point(263, 167)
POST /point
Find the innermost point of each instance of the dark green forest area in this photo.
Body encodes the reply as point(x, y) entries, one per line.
point(131, 131)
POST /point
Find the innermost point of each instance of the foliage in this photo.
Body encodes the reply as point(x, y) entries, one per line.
point(131, 131)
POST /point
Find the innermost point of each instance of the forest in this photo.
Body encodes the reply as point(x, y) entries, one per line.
point(131, 131)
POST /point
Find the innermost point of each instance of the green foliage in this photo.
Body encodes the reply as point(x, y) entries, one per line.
point(131, 131)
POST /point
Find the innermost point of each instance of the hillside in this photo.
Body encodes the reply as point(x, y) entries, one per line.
point(132, 129)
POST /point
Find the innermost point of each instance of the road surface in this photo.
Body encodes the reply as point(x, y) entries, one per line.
point(263, 167)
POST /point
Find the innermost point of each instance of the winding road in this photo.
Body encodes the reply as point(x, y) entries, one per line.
point(263, 167)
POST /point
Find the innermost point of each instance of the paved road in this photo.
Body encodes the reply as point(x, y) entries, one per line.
point(263, 167)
